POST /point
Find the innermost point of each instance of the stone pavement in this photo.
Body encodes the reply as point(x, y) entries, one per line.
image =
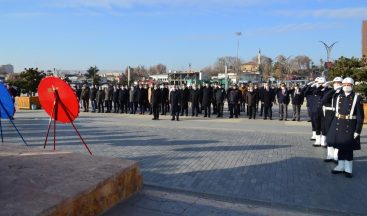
point(270, 162)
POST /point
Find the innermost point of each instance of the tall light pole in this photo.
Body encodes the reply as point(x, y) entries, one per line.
point(238, 34)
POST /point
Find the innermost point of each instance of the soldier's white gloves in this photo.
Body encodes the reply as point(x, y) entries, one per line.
point(310, 83)
point(326, 84)
point(356, 135)
point(313, 85)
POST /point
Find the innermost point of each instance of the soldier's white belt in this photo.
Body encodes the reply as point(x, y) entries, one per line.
point(345, 116)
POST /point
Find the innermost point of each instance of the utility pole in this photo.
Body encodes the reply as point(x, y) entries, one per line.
point(238, 47)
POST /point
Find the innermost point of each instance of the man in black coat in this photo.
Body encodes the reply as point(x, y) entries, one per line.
point(85, 97)
point(175, 98)
point(165, 100)
point(100, 99)
point(200, 89)
point(207, 99)
point(297, 101)
point(346, 127)
point(115, 99)
point(142, 98)
point(124, 99)
point(220, 95)
point(252, 98)
point(268, 98)
point(185, 97)
point(195, 95)
point(156, 100)
point(92, 97)
point(234, 97)
point(283, 101)
point(214, 102)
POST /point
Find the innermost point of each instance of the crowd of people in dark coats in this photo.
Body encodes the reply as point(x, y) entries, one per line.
point(207, 100)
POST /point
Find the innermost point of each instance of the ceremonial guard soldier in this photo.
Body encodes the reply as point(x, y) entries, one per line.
point(344, 132)
point(328, 101)
point(175, 98)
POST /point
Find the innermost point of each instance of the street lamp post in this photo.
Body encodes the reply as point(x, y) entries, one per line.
point(238, 34)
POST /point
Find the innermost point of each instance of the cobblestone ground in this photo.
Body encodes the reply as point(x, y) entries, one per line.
point(267, 161)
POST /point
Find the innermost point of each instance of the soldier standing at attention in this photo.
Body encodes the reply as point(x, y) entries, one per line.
point(346, 127)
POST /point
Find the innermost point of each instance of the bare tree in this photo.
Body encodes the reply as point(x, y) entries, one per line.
point(266, 66)
point(157, 69)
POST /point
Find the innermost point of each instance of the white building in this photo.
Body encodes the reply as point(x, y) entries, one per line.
point(6, 69)
point(160, 78)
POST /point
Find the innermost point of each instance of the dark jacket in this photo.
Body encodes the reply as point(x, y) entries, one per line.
point(207, 96)
point(115, 95)
point(234, 96)
point(297, 98)
point(175, 99)
point(341, 132)
point(194, 97)
point(165, 95)
point(93, 93)
point(100, 96)
point(268, 97)
point(283, 96)
point(252, 98)
point(142, 95)
point(85, 93)
point(156, 97)
point(220, 95)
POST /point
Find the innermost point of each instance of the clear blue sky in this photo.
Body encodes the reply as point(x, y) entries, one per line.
point(76, 34)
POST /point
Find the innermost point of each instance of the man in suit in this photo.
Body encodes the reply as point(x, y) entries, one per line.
point(156, 100)
point(175, 98)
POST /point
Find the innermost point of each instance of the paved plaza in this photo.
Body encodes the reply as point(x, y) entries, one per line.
point(213, 166)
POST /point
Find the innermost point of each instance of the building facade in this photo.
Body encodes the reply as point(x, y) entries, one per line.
point(6, 69)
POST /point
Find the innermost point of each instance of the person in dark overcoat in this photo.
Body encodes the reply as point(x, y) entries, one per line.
point(165, 99)
point(185, 97)
point(234, 98)
point(100, 99)
point(194, 96)
point(328, 101)
point(251, 100)
point(283, 101)
point(175, 98)
point(142, 99)
point(297, 99)
point(156, 100)
point(346, 127)
point(207, 99)
point(115, 99)
point(268, 98)
point(220, 95)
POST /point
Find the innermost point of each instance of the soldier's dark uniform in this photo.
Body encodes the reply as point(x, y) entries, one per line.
point(328, 102)
point(347, 123)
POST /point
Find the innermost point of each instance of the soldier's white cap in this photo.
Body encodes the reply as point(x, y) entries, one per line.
point(321, 80)
point(348, 80)
point(338, 79)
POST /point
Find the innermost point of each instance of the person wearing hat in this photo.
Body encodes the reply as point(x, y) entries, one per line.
point(346, 127)
point(318, 89)
point(297, 99)
point(328, 101)
point(283, 101)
